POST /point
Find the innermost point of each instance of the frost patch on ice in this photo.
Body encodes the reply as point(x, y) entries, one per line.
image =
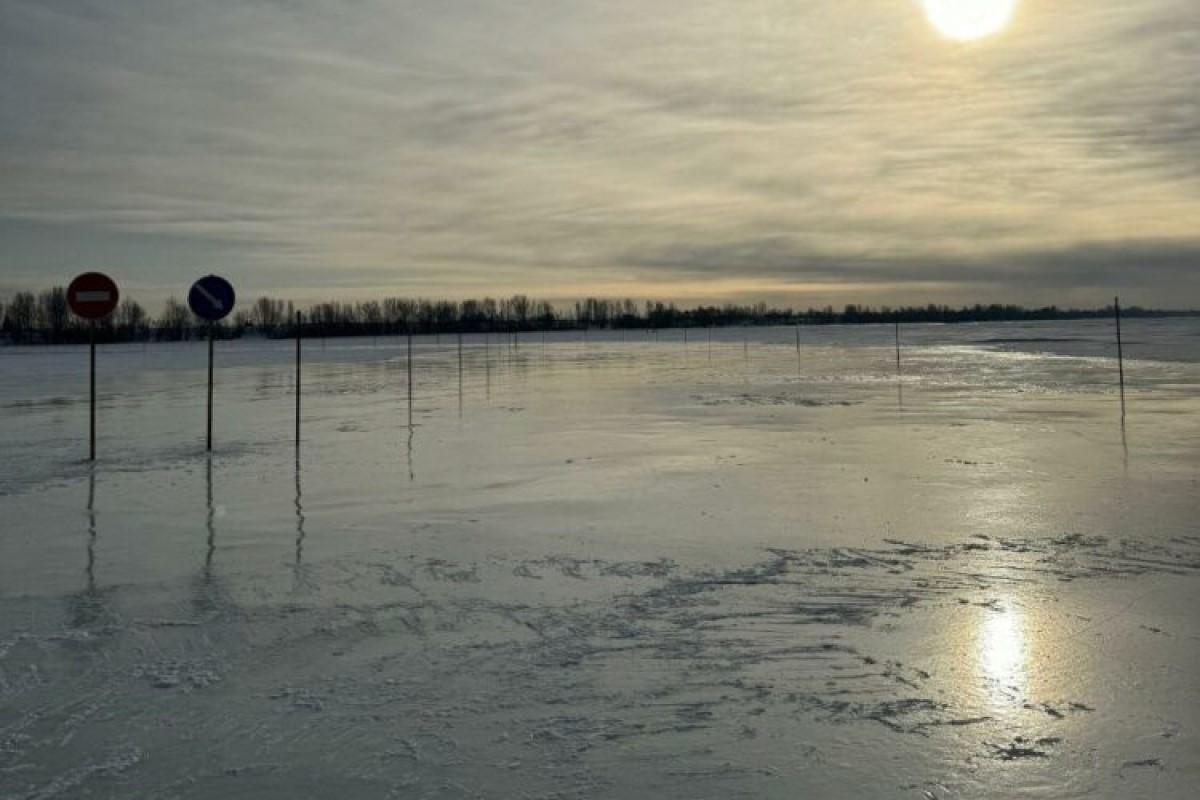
point(552, 670)
point(747, 399)
point(176, 674)
point(68, 784)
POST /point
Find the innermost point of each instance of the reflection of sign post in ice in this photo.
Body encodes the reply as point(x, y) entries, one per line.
point(211, 298)
point(92, 296)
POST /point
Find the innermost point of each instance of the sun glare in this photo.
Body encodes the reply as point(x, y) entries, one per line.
point(965, 20)
point(1002, 652)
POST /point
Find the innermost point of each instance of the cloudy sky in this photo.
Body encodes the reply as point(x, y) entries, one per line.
point(797, 151)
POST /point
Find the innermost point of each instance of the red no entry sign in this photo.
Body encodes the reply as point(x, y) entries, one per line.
point(93, 295)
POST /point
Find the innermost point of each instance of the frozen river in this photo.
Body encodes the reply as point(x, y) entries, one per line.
point(612, 566)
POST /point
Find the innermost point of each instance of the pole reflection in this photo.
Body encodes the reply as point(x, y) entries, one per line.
point(91, 545)
point(1124, 447)
point(87, 607)
point(209, 520)
point(412, 476)
point(299, 518)
point(209, 595)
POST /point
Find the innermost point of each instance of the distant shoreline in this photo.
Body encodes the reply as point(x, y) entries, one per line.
point(43, 320)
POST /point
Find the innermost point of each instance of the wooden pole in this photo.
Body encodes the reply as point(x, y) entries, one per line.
point(299, 330)
point(208, 444)
point(92, 392)
point(1120, 353)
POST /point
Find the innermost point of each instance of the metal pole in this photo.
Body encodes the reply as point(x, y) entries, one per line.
point(898, 368)
point(299, 323)
point(210, 386)
point(410, 381)
point(1120, 353)
point(92, 394)
point(460, 375)
point(799, 362)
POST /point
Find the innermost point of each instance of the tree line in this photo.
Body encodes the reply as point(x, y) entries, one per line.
point(45, 318)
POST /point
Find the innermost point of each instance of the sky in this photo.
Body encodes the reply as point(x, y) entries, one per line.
point(801, 152)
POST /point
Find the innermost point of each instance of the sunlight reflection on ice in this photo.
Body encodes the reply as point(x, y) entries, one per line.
point(1003, 653)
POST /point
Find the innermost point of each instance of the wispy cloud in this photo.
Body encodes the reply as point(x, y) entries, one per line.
point(462, 146)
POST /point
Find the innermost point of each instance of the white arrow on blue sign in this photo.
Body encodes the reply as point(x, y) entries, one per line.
point(211, 298)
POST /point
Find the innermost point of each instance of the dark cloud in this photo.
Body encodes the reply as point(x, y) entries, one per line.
point(1165, 268)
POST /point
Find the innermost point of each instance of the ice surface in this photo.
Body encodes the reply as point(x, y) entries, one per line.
point(609, 567)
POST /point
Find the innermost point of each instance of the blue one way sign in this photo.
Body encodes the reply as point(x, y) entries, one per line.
point(211, 298)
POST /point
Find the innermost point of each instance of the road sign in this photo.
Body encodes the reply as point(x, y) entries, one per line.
point(211, 298)
point(92, 295)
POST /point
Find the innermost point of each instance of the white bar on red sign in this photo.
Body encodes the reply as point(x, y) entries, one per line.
point(92, 297)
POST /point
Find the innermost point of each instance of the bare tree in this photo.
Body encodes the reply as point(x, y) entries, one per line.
point(54, 316)
point(370, 313)
point(176, 321)
point(520, 305)
point(22, 316)
point(131, 319)
point(267, 314)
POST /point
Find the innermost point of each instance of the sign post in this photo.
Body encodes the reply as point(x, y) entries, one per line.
point(211, 299)
point(92, 296)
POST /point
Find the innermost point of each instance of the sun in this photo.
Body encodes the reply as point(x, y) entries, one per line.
point(964, 20)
